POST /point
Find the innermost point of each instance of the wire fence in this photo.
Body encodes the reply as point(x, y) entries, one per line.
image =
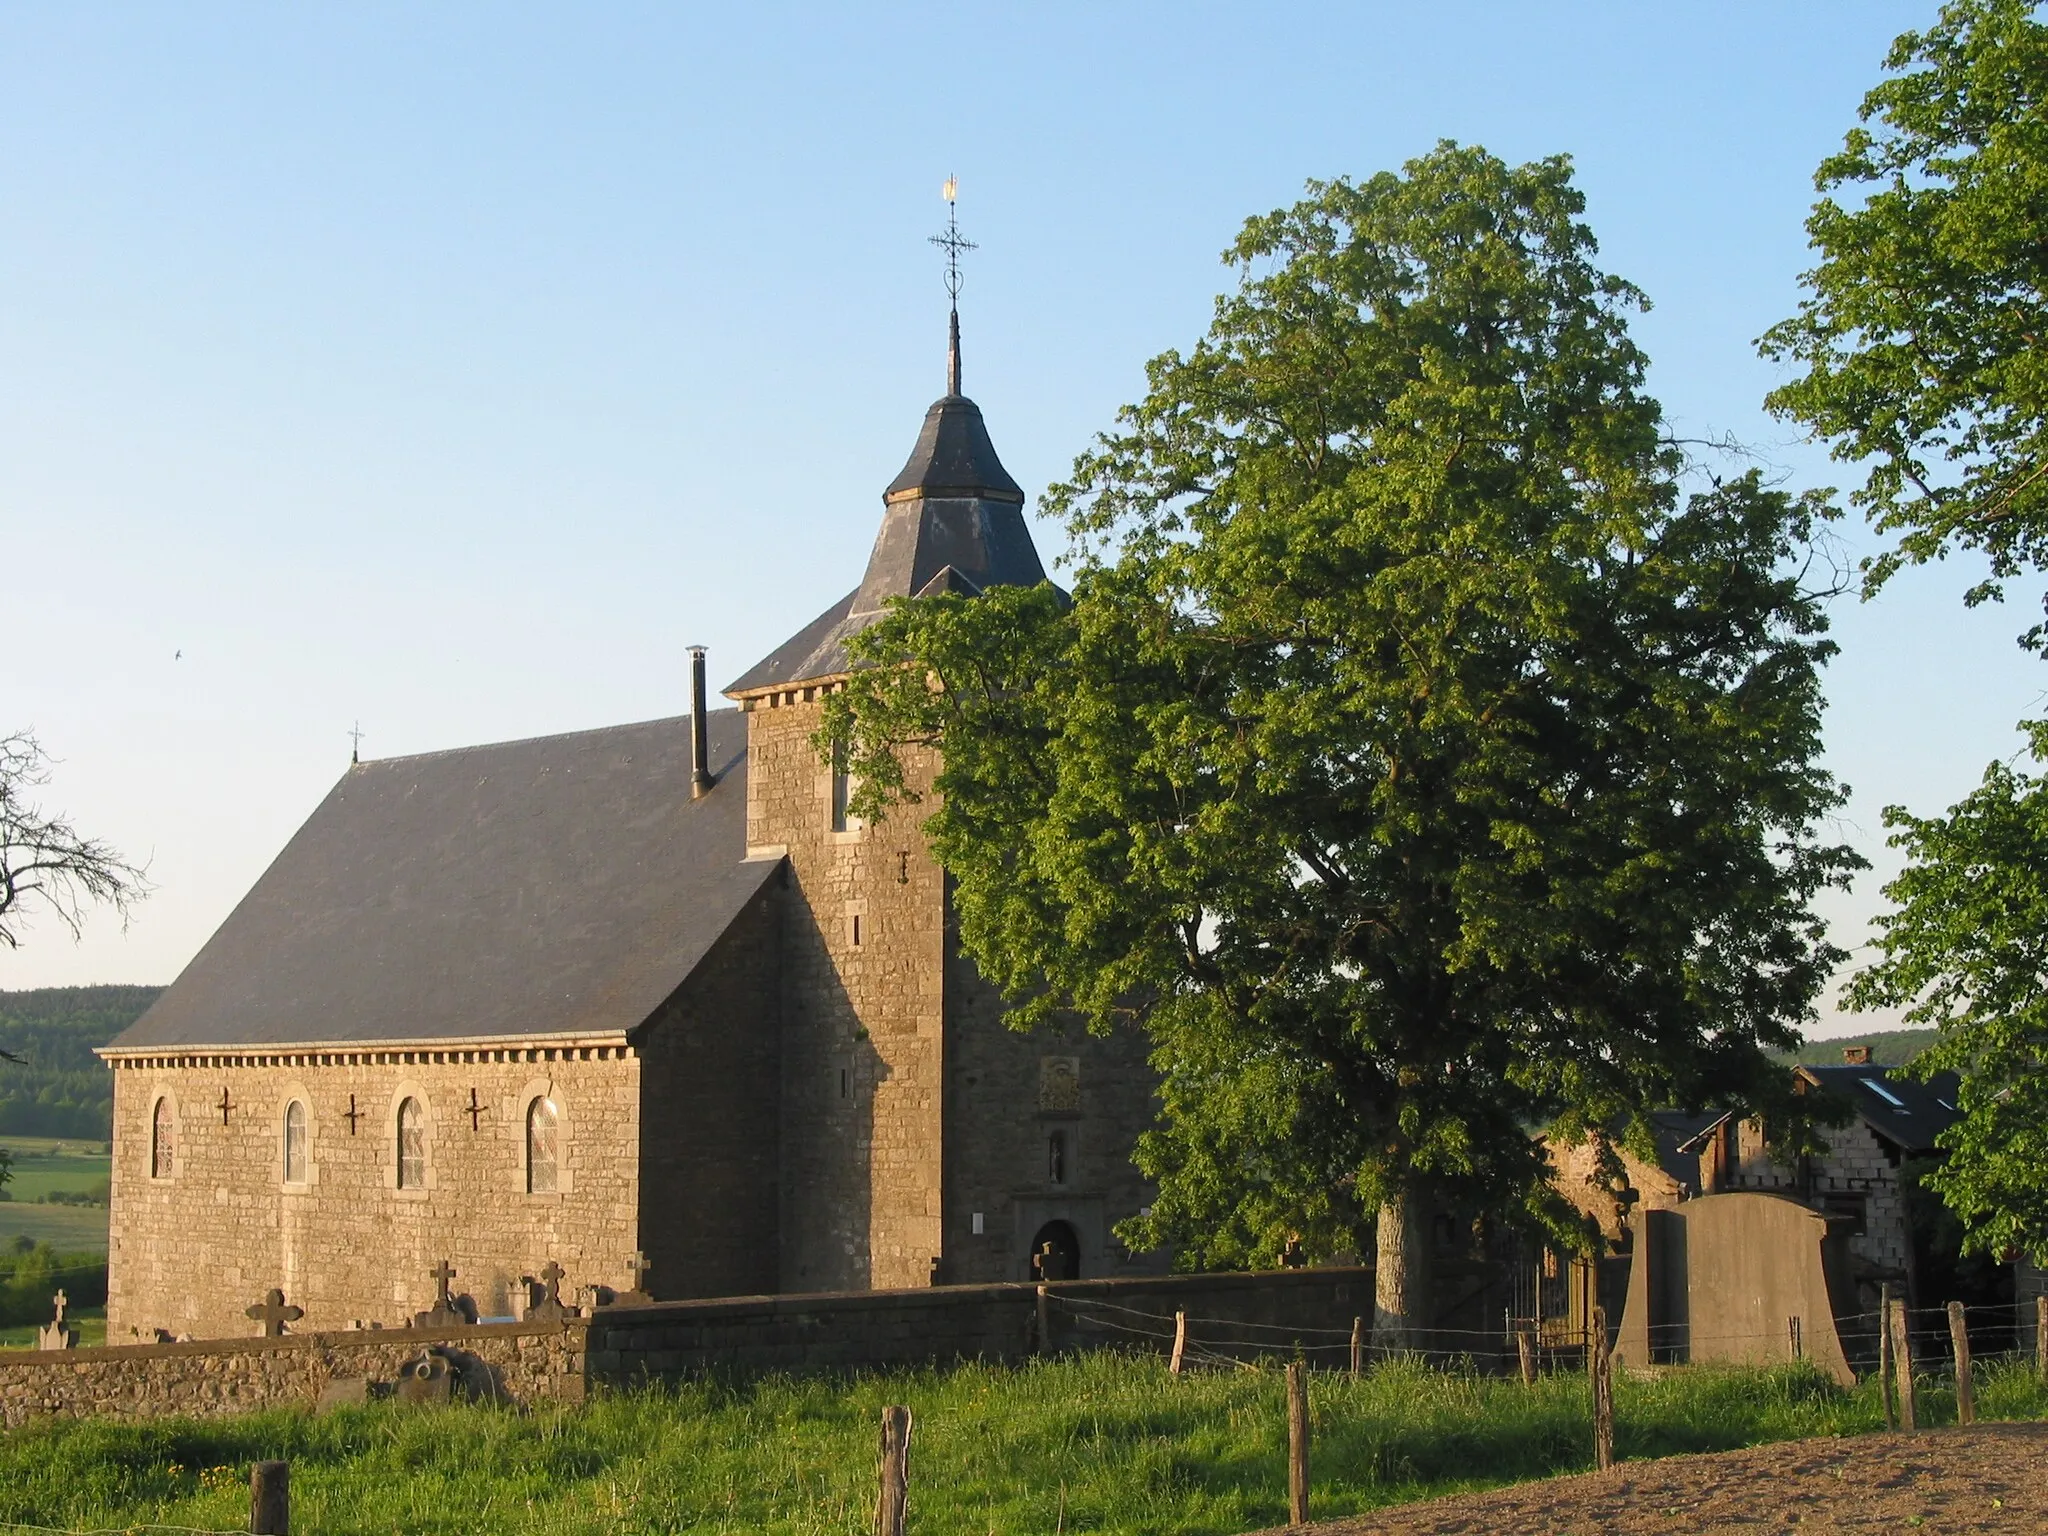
point(1238, 1343)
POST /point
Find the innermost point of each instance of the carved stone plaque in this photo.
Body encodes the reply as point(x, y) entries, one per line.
point(1059, 1082)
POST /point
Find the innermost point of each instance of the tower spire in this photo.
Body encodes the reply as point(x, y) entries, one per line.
point(952, 242)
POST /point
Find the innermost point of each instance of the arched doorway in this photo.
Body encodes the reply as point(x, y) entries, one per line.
point(1056, 1253)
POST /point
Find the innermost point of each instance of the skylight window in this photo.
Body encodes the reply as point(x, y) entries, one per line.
point(1886, 1094)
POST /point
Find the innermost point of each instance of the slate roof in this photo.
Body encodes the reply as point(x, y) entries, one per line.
point(953, 520)
point(1906, 1112)
point(564, 885)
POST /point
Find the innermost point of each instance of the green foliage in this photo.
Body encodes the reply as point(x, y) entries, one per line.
point(1103, 1443)
point(64, 1090)
point(1414, 760)
point(1922, 335)
point(30, 1274)
point(1964, 951)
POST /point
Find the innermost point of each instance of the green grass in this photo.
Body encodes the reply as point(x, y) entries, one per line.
point(1100, 1444)
point(90, 1323)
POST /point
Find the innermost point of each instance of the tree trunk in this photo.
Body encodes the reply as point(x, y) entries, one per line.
point(1400, 1313)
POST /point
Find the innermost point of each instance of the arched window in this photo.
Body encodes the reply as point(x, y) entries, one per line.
point(163, 1140)
point(543, 1122)
point(412, 1145)
point(295, 1142)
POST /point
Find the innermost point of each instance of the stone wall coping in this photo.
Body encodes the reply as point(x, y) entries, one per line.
point(1023, 1292)
point(341, 1338)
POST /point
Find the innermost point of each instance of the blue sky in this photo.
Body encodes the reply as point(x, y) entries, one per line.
point(450, 368)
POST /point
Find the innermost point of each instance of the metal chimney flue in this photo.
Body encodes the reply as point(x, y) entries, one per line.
point(700, 751)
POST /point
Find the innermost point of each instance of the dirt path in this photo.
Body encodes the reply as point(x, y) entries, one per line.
point(1993, 1477)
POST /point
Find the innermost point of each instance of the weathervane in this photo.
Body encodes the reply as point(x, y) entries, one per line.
point(952, 242)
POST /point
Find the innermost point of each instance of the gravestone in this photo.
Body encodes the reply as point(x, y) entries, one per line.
point(343, 1392)
point(427, 1380)
point(637, 1296)
point(447, 1311)
point(272, 1313)
point(57, 1334)
point(549, 1307)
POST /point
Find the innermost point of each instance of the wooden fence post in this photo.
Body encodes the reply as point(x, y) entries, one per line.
point(1357, 1346)
point(1044, 1338)
point(270, 1497)
point(1180, 1342)
point(2041, 1334)
point(1902, 1366)
point(1525, 1346)
point(893, 1503)
point(1601, 1365)
point(1966, 1389)
point(1796, 1328)
point(1884, 1354)
point(1297, 1443)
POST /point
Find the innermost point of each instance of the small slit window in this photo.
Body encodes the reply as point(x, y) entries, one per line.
point(295, 1142)
point(412, 1145)
point(1056, 1158)
point(844, 785)
point(163, 1141)
point(543, 1123)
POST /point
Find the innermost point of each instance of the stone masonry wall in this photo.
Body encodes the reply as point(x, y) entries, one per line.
point(1008, 1096)
point(711, 1075)
point(863, 1009)
point(1240, 1316)
point(190, 1252)
point(526, 1363)
point(1237, 1315)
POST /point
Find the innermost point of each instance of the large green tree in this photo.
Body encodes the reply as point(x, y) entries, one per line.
point(1921, 341)
point(1414, 760)
point(1966, 950)
point(1924, 335)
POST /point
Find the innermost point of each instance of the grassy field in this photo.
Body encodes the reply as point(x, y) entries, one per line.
point(71, 1228)
point(1097, 1444)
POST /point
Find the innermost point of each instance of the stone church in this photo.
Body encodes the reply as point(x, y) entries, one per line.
point(643, 1003)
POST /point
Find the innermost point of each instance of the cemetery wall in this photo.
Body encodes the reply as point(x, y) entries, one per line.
point(1229, 1314)
point(526, 1363)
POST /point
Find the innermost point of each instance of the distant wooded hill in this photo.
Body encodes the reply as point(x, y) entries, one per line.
point(64, 1090)
point(1888, 1048)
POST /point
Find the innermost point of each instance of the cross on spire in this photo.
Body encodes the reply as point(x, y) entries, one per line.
point(355, 742)
point(952, 242)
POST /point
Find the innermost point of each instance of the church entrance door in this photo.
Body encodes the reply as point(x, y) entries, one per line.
point(1056, 1253)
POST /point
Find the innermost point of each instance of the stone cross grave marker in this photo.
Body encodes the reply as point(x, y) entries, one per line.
point(550, 1308)
point(57, 1334)
point(444, 1313)
point(639, 1264)
point(273, 1312)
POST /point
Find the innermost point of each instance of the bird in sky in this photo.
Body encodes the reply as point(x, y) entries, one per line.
point(179, 656)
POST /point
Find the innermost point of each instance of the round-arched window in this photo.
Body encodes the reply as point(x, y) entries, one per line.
point(295, 1142)
point(412, 1145)
point(163, 1140)
point(543, 1124)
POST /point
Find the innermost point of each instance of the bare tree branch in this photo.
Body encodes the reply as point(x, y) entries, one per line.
point(44, 862)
